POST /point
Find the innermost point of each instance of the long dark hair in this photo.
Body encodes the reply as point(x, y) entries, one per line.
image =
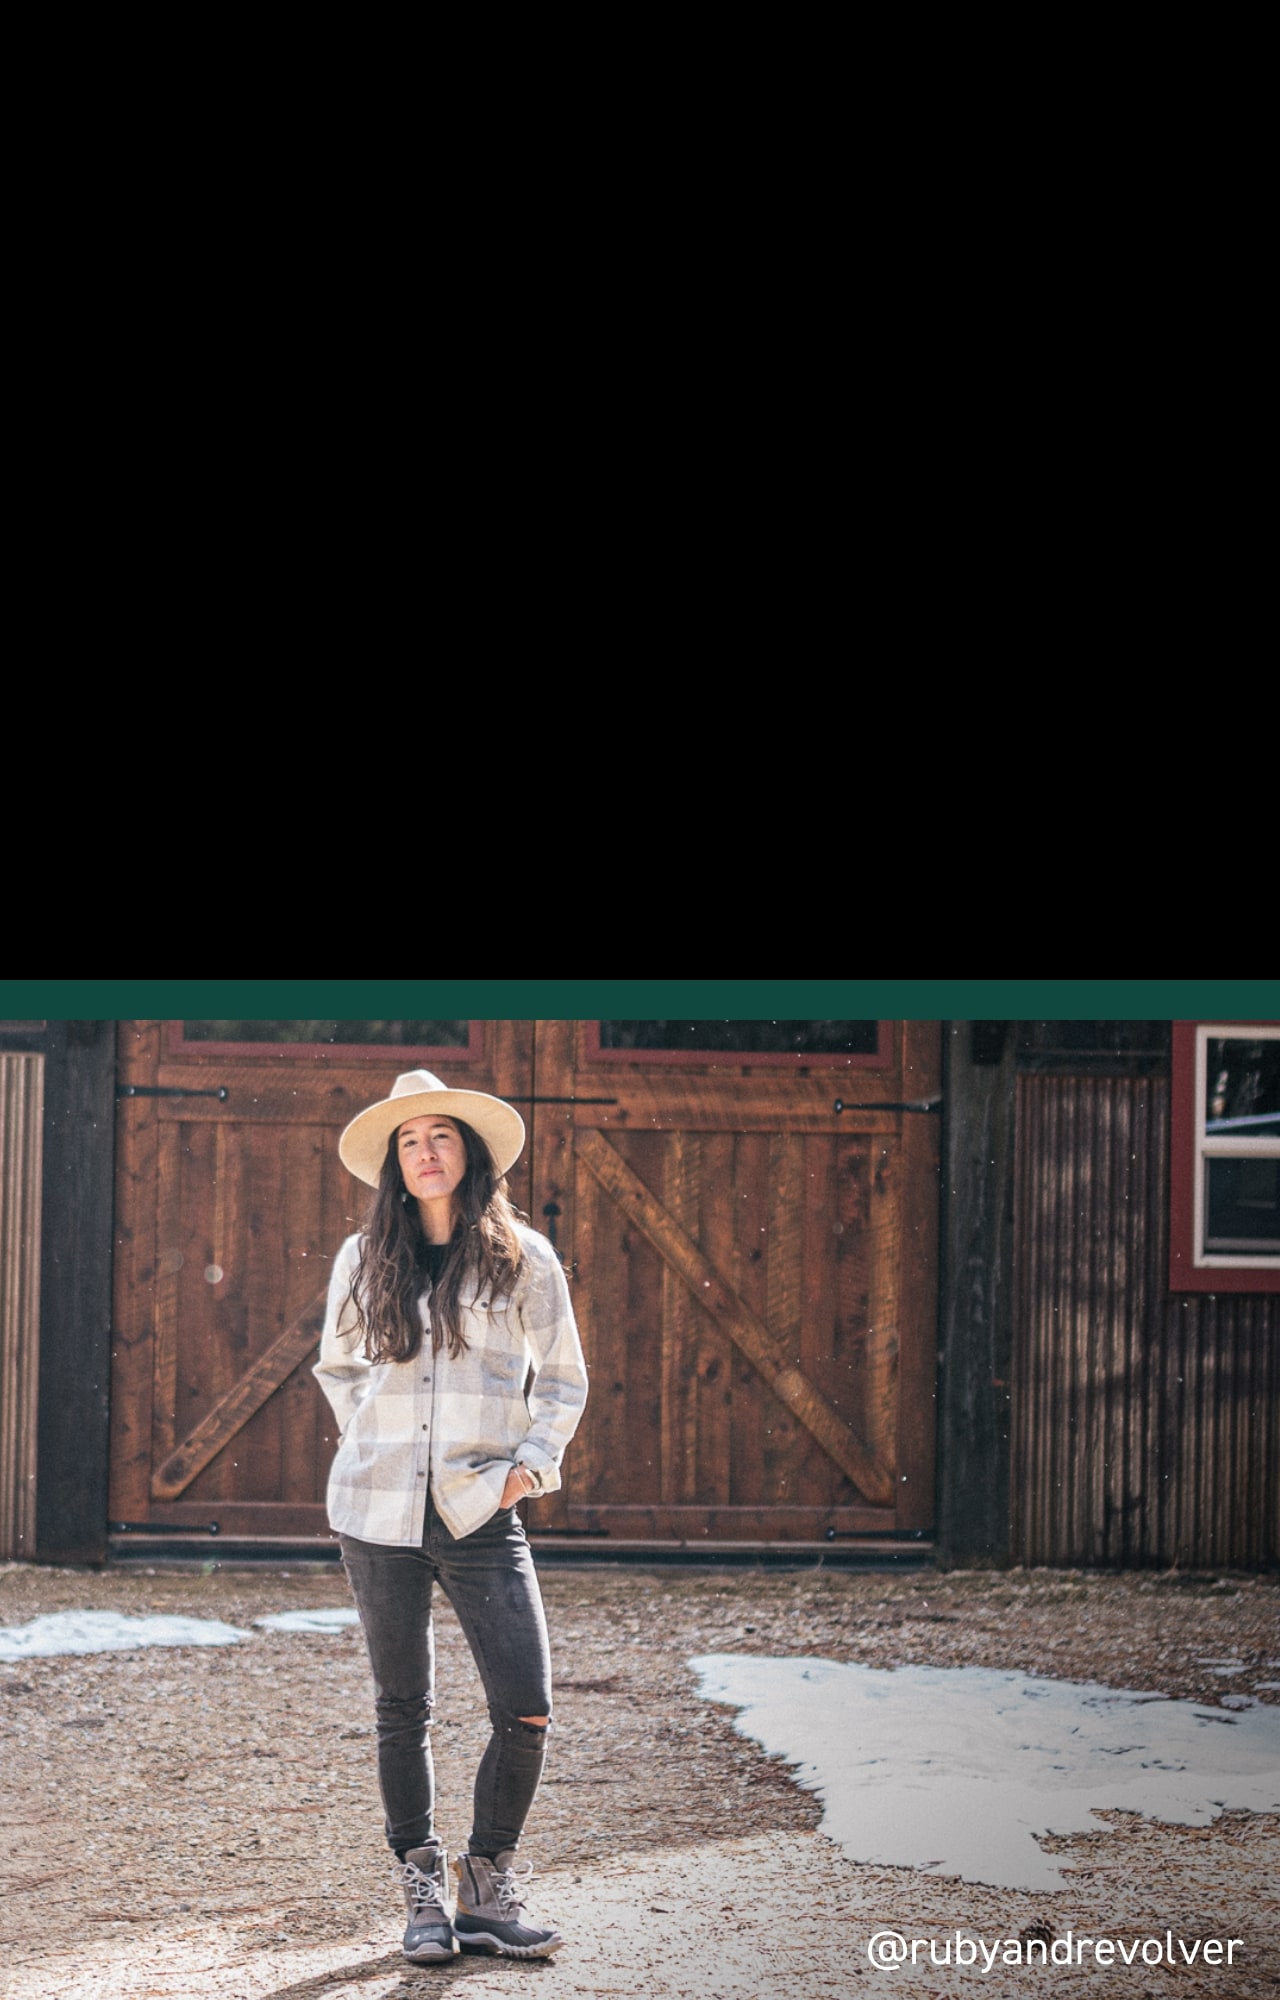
point(393, 1267)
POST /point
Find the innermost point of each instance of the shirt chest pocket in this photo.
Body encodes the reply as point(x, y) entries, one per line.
point(500, 1364)
point(502, 1373)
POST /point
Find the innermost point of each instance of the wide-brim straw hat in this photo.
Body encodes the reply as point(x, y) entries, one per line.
point(363, 1146)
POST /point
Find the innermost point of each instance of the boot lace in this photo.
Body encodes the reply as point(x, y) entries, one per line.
point(509, 1884)
point(424, 1889)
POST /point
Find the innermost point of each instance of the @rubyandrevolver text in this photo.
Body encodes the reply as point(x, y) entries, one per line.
point(889, 1948)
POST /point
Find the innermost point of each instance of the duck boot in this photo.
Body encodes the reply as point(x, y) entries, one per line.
point(429, 1934)
point(490, 1915)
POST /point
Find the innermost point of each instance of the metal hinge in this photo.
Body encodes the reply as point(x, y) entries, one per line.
point(168, 1090)
point(919, 1104)
point(161, 1528)
point(559, 1100)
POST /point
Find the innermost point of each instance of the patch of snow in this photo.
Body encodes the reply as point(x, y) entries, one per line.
point(109, 1632)
point(327, 1620)
point(955, 1770)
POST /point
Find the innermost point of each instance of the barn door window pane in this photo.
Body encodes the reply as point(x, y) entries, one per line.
point(354, 1041)
point(771, 1042)
point(395, 1034)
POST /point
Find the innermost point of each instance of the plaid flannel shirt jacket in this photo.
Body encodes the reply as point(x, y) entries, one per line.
point(456, 1424)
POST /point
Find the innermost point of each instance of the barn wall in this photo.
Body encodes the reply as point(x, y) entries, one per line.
point(975, 1297)
point(75, 1291)
point(1146, 1426)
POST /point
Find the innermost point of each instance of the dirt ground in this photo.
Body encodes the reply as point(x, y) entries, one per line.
point(203, 1823)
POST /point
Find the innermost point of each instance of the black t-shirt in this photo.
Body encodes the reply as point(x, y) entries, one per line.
point(433, 1256)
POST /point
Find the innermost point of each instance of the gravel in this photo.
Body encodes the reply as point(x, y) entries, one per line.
point(204, 1821)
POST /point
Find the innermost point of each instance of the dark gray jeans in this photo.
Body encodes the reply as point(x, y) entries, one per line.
point(490, 1581)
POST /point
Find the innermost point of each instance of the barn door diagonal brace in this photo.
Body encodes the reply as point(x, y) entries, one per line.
point(233, 1411)
point(788, 1382)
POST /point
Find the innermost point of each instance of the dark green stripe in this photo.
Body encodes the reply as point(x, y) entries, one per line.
point(644, 999)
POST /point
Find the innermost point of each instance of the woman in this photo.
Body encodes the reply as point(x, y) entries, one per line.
point(453, 1365)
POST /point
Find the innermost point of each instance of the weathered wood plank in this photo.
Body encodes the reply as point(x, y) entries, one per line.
point(533, 1067)
point(678, 1455)
point(784, 1294)
point(760, 1104)
point(714, 1347)
point(207, 1368)
point(133, 1276)
point(235, 1408)
point(884, 1236)
point(602, 1233)
point(793, 1286)
point(269, 1519)
point(582, 1466)
point(757, 1342)
point(22, 1078)
point(169, 1263)
point(343, 1201)
point(853, 1278)
point(918, 1351)
point(255, 1296)
point(638, 1357)
point(770, 1523)
point(301, 1210)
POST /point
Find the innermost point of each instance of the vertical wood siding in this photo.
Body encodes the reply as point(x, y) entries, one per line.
point(21, 1157)
point(1146, 1425)
point(804, 1230)
point(756, 1286)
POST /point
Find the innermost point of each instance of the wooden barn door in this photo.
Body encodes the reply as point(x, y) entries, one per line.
point(754, 1271)
point(754, 1248)
point(230, 1205)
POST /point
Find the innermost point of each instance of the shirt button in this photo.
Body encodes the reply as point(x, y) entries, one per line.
point(424, 1427)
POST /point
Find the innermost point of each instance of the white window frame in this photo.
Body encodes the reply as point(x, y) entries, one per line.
point(1262, 1267)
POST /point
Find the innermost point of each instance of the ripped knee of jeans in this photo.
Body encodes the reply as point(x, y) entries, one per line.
point(409, 1716)
point(519, 1725)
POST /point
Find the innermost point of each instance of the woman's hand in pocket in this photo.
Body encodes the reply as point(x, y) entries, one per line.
point(518, 1486)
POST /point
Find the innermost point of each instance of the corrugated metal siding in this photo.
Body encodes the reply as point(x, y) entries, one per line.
point(1146, 1427)
point(21, 1154)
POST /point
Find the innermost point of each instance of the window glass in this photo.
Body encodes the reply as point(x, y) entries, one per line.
point(857, 1038)
point(1242, 1086)
point(1242, 1206)
point(415, 1034)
